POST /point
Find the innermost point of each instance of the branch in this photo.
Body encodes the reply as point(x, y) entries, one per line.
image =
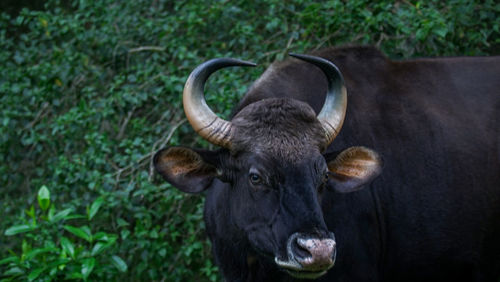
point(38, 116)
point(164, 140)
point(147, 48)
point(143, 48)
point(125, 122)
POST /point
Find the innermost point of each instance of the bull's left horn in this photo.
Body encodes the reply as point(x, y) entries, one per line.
point(332, 114)
point(203, 120)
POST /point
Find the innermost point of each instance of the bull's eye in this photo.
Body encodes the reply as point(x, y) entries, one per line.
point(255, 179)
point(325, 177)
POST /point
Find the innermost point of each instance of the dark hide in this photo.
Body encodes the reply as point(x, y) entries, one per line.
point(433, 214)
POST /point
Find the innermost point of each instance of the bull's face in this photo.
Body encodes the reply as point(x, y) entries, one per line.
point(277, 174)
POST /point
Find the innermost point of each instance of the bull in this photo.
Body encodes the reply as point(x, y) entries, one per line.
point(409, 190)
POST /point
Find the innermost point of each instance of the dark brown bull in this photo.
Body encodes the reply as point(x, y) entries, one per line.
point(278, 203)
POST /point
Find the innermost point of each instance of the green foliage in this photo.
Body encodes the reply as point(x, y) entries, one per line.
point(48, 253)
point(89, 90)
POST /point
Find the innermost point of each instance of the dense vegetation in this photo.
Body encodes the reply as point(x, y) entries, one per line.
point(89, 90)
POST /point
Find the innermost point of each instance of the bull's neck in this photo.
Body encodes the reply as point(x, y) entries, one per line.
point(357, 222)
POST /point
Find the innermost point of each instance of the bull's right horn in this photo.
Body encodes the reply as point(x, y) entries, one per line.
point(203, 120)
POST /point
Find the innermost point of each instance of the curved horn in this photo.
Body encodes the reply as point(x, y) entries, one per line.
point(203, 120)
point(332, 114)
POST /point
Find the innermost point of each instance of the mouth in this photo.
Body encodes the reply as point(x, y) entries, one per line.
point(305, 274)
point(296, 270)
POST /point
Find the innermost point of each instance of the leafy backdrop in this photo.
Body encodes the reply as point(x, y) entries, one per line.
point(89, 90)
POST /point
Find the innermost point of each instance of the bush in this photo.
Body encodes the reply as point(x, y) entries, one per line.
point(47, 255)
point(90, 90)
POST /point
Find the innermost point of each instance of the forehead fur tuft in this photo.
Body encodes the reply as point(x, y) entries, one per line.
point(284, 128)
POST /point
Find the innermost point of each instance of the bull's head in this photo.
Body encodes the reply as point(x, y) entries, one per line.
point(272, 162)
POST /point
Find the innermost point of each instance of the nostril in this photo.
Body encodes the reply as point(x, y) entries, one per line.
point(299, 250)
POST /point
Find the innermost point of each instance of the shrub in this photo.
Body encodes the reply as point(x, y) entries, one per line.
point(52, 250)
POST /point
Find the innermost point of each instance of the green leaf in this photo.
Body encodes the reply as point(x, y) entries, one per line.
point(441, 31)
point(31, 212)
point(98, 248)
point(50, 214)
point(61, 215)
point(58, 263)
point(102, 236)
point(35, 252)
point(75, 216)
point(94, 208)
point(87, 267)
point(9, 259)
point(13, 271)
point(122, 222)
point(16, 229)
point(119, 263)
point(68, 247)
point(44, 197)
point(25, 246)
point(105, 237)
point(74, 275)
point(82, 232)
point(421, 34)
point(35, 273)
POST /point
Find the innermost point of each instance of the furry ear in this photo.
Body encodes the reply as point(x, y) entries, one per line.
point(186, 169)
point(353, 168)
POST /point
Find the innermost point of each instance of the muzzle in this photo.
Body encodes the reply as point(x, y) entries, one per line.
point(308, 256)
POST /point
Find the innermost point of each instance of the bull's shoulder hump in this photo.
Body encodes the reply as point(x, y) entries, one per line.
point(362, 54)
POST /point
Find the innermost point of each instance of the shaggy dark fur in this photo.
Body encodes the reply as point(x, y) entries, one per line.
point(433, 214)
point(264, 127)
